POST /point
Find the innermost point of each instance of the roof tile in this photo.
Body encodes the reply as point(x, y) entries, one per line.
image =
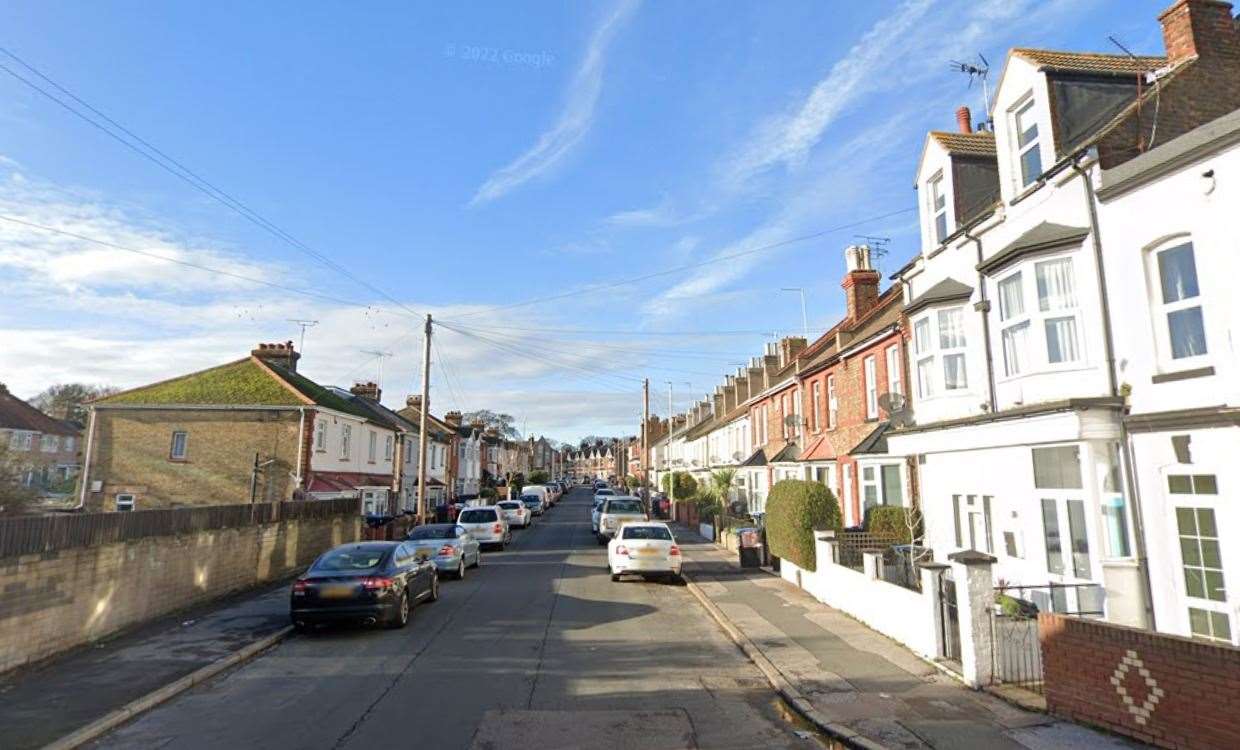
point(1089, 62)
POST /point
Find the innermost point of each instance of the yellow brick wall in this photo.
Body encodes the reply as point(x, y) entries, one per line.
point(131, 454)
point(57, 600)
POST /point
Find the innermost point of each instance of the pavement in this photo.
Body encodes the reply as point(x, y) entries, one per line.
point(60, 695)
point(859, 679)
point(536, 648)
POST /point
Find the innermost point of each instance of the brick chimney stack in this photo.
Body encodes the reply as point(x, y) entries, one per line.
point(964, 119)
point(453, 418)
point(860, 283)
point(366, 390)
point(1202, 29)
point(789, 347)
point(277, 354)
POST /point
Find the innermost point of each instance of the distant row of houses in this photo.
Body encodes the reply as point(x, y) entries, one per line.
point(1053, 378)
point(256, 430)
point(44, 452)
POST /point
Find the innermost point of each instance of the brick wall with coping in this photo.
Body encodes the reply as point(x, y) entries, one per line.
point(55, 601)
point(1161, 689)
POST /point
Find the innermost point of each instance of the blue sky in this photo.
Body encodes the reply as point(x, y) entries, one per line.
point(464, 160)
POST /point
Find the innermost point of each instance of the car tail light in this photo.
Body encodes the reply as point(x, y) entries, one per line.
point(299, 587)
point(447, 551)
point(622, 550)
point(498, 529)
point(377, 583)
point(674, 551)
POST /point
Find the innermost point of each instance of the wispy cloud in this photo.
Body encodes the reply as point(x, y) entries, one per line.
point(787, 138)
point(575, 119)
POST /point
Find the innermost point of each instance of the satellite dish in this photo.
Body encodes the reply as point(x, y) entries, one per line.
point(792, 420)
point(899, 414)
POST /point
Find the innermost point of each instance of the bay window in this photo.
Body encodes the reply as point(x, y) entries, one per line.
point(1179, 322)
point(1041, 335)
point(1057, 300)
point(942, 355)
point(925, 358)
point(1015, 325)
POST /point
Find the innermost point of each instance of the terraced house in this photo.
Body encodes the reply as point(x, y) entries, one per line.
point(1074, 400)
point(44, 450)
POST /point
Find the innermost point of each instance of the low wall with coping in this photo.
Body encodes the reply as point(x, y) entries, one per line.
point(1161, 689)
point(72, 593)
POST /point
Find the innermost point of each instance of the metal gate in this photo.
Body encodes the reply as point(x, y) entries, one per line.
point(1017, 653)
point(950, 617)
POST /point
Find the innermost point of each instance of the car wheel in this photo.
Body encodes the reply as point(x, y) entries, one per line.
point(478, 558)
point(615, 577)
point(434, 597)
point(401, 618)
point(460, 570)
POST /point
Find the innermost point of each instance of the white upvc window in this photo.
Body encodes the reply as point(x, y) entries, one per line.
point(346, 441)
point(895, 381)
point(937, 195)
point(320, 437)
point(1040, 318)
point(871, 387)
point(20, 440)
point(833, 404)
point(1014, 320)
point(1179, 320)
point(816, 408)
point(51, 443)
point(924, 349)
point(783, 416)
point(1028, 142)
point(952, 348)
point(1195, 498)
point(68, 442)
point(387, 448)
point(1057, 477)
point(1059, 310)
point(372, 447)
point(125, 502)
point(881, 484)
point(180, 445)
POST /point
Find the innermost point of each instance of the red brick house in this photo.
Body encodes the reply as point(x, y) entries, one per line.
point(842, 378)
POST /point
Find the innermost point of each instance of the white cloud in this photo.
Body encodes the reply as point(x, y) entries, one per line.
point(574, 120)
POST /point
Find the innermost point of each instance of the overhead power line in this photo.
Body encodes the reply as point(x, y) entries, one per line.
point(145, 149)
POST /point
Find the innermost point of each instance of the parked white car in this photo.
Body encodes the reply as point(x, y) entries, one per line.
point(645, 548)
point(487, 525)
point(515, 513)
point(617, 511)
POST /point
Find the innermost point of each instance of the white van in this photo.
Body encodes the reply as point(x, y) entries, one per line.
point(540, 491)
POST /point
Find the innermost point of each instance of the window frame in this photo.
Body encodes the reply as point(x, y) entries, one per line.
point(930, 355)
point(833, 404)
point(895, 375)
point(131, 503)
point(1070, 526)
point(878, 483)
point(936, 196)
point(815, 394)
point(1033, 319)
point(1026, 104)
point(172, 447)
point(1201, 496)
point(346, 441)
point(870, 368)
point(320, 437)
point(1160, 310)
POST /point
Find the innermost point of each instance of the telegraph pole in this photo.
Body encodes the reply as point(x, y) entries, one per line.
point(426, 405)
point(645, 442)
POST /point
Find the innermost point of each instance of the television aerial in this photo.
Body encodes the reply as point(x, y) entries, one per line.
point(979, 71)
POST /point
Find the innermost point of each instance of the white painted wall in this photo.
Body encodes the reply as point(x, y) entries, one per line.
point(331, 457)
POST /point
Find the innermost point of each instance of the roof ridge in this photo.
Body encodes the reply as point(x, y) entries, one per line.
point(1116, 55)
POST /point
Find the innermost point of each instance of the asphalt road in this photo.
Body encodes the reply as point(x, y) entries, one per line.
point(538, 648)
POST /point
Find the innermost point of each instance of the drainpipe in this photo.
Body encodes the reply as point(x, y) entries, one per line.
point(301, 447)
point(1125, 441)
point(90, 442)
point(983, 306)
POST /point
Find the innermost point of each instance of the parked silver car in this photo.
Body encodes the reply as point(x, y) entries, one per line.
point(486, 524)
point(615, 512)
point(448, 545)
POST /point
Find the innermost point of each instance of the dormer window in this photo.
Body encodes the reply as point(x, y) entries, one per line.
point(1028, 153)
point(938, 208)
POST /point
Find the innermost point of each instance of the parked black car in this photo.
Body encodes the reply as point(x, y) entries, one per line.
point(367, 582)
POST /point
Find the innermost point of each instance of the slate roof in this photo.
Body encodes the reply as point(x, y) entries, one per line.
point(1091, 63)
point(377, 411)
point(16, 414)
point(1045, 236)
point(965, 144)
point(757, 459)
point(874, 443)
point(947, 290)
point(787, 454)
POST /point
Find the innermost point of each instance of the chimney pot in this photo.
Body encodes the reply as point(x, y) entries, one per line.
point(279, 354)
point(964, 119)
point(860, 283)
point(366, 390)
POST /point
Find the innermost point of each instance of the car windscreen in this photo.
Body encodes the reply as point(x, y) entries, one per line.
point(623, 506)
point(510, 505)
point(438, 531)
point(647, 532)
point(605, 492)
point(477, 515)
point(363, 557)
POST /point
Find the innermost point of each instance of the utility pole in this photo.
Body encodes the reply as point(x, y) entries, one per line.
point(426, 405)
point(645, 442)
point(301, 346)
point(804, 318)
point(671, 473)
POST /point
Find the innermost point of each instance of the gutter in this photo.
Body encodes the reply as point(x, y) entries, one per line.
point(1126, 451)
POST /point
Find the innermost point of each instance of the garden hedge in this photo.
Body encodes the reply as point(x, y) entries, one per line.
point(794, 510)
point(686, 485)
point(890, 519)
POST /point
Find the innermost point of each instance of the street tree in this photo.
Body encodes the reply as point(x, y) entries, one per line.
point(15, 499)
point(504, 424)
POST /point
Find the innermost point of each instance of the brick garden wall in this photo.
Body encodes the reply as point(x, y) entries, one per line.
point(56, 600)
point(1164, 690)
